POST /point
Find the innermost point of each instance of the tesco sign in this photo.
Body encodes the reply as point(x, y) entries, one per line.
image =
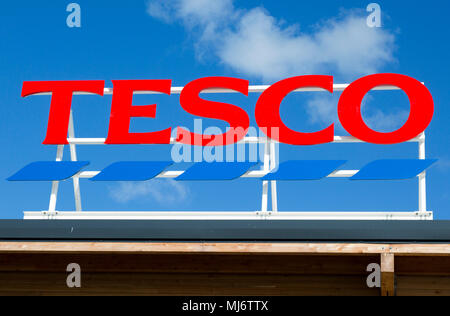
point(267, 109)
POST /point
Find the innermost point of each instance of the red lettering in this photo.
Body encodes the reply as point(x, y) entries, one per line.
point(233, 115)
point(267, 111)
point(122, 110)
point(62, 91)
point(420, 116)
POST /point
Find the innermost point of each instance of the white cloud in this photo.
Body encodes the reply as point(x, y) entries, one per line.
point(204, 11)
point(256, 44)
point(443, 164)
point(201, 16)
point(163, 191)
point(386, 122)
point(323, 110)
point(262, 48)
point(161, 10)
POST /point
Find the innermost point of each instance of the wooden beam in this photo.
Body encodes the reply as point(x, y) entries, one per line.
point(189, 247)
point(421, 266)
point(423, 285)
point(387, 274)
point(189, 263)
point(434, 250)
point(184, 284)
point(226, 248)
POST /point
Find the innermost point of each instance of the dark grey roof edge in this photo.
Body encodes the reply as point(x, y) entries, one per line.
point(195, 230)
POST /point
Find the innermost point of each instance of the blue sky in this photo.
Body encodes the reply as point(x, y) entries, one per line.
point(262, 41)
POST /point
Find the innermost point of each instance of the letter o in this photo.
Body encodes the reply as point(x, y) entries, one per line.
point(420, 116)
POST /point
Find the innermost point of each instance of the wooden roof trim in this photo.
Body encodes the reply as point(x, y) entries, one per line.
point(225, 248)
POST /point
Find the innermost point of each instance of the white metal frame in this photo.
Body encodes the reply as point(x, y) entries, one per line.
point(270, 162)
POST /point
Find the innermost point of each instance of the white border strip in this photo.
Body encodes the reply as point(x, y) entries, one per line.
point(251, 89)
point(171, 174)
point(246, 140)
point(229, 215)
